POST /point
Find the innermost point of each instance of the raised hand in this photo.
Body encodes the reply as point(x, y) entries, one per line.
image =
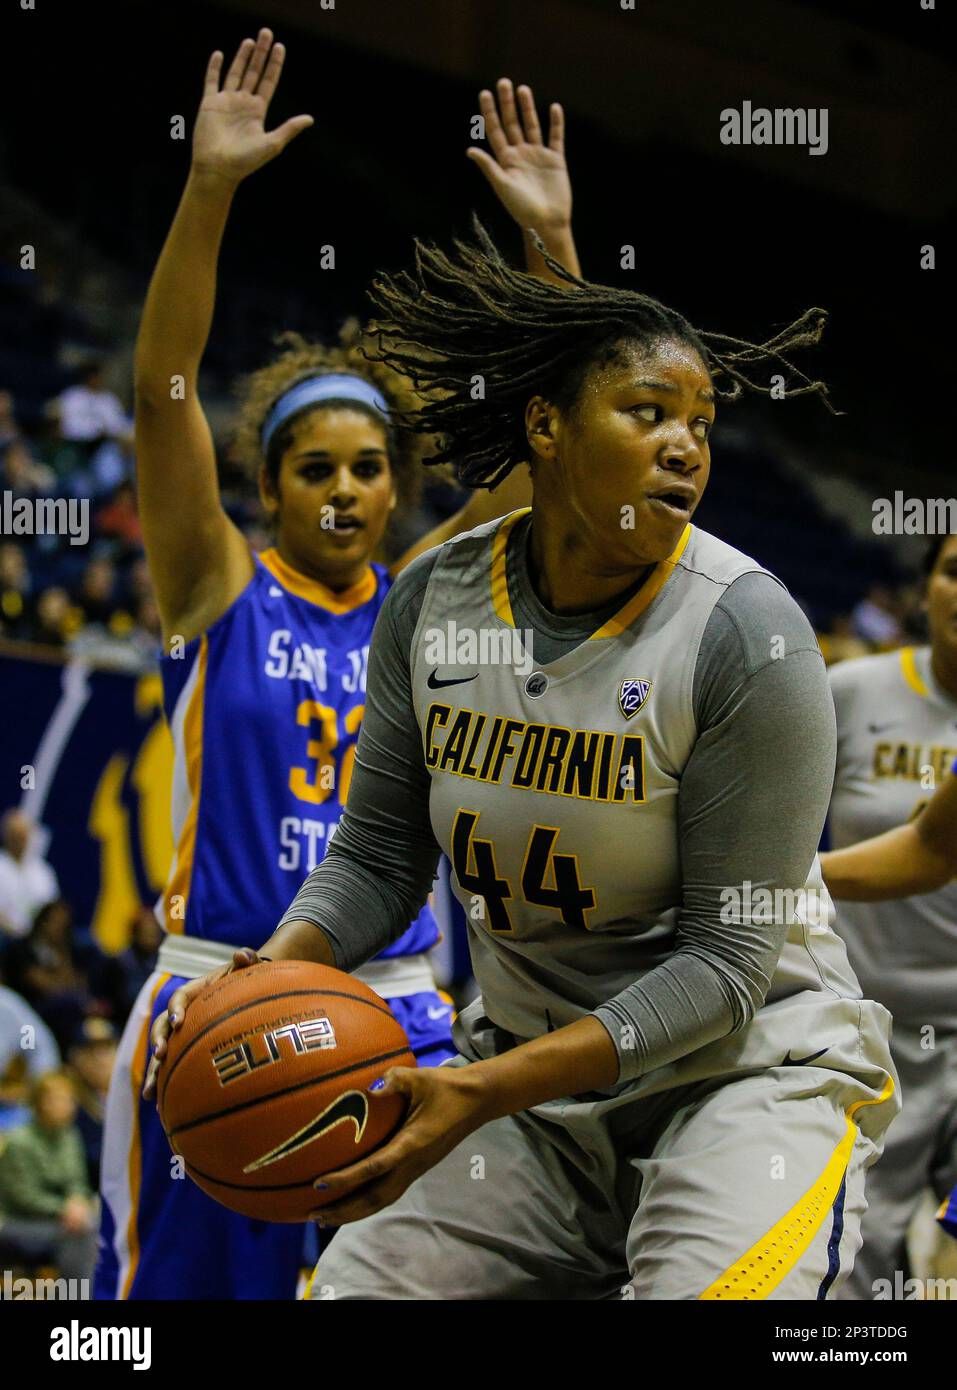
point(529, 177)
point(230, 140)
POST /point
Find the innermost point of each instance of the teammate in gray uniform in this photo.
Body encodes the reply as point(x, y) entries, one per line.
point(669, 1093)
point(896, 741)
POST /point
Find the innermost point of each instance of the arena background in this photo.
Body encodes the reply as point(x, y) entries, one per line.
point(741, 238)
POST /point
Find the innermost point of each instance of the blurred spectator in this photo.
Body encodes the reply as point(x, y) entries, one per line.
point(22, 475)
point(119, 518)
point(139, 581)
point(44, 968)
point(8, 424)
point(912, 610)
point(841, 644)
point(91, 1056)
point(55, 619)
point(92, 421)
point(47, 1214)
point(15, 586)
point(147, 636)
point(96, 592)
point(875, 618)
point(27, 1049)
point(139, 960)
point(27, 882)
point(90, 414)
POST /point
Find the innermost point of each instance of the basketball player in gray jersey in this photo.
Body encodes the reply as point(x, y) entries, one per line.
point(897, 741)
point(619, 729)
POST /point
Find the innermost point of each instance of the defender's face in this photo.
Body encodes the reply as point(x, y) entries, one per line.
point(633, 454)
point(336, 491)
point(942, 598)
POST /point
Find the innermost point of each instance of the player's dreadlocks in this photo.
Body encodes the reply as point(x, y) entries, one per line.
point(479, 339)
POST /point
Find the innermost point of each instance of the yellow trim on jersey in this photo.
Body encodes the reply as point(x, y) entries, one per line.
point(652, 586)
point(500, 599)
point(193, 753)
point(314, 591)
point(762, 1268)
point(615, 625)
point(307, 1291)
point(911, 674)
point(135, 1167)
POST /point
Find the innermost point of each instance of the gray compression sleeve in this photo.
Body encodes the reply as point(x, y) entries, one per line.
point(764, 760)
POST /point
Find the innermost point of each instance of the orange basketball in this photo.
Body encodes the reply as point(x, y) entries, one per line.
point(264, 1087)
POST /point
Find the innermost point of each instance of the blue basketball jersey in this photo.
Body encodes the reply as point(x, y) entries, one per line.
point(264, 709)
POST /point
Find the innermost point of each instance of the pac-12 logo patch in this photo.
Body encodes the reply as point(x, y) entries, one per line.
point(631, 696)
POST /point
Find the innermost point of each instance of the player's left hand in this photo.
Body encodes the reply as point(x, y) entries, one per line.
point(445, 1105)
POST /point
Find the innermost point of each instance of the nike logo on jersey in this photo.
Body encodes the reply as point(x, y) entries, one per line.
point(436, 683)
point(443, 1012)
point(880, 728)
point(790, 1061)
point(352, 1106)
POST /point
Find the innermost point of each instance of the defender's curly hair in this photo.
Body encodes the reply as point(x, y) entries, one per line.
point(478, 339)
point(301, 359)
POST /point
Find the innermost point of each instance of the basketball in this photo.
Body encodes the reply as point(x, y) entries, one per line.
point(265, 1086)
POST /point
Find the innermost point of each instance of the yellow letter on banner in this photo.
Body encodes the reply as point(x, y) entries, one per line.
point(109, 823)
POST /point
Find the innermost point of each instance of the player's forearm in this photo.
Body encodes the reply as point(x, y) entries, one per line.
point(569, 1062)
point(299, 941)
point(181, 298)
point(560, 244)
point(937, 824)
point(484, 505)
point(897, 864)
point(351, 900)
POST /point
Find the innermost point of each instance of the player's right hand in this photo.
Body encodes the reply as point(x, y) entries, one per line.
point(167, 1022)
point(230, 140)
point(529, 176)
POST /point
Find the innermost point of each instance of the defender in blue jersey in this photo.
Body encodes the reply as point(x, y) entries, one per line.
point(264, 709)
point(264, 678)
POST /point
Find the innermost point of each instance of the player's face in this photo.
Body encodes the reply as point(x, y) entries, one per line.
point(632, 458)
point(336, 490)
point(942, 598)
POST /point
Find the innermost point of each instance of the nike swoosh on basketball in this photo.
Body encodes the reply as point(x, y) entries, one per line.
point(790, 1061)
point(353, 1106)
point(436, 683)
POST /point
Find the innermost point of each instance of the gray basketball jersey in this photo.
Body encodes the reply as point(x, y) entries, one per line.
point(554, 791)
point(896, 741)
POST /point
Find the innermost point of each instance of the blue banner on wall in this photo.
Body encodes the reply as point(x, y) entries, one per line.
point(86, 754)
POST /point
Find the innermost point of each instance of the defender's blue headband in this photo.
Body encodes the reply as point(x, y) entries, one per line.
point(329, 386)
